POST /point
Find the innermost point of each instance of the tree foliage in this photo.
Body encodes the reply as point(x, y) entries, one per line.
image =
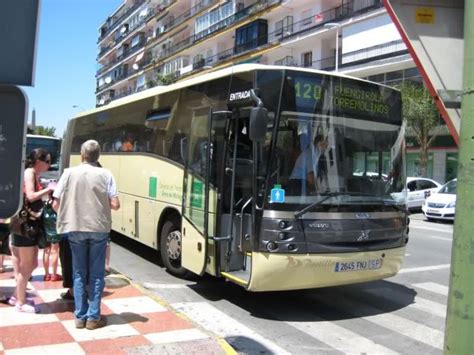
point(164, 79)
point(45, 131)
point(421, 116)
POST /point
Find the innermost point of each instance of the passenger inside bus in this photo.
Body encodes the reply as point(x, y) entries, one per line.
point(309, 169)
point(128, 144)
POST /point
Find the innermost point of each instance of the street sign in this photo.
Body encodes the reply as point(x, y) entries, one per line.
point(433, 33)
point(13, 117)
point(18, 37)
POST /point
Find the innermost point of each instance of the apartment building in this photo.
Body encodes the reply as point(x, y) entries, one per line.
point(154, 42)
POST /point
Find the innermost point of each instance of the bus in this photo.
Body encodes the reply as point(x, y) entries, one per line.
point(51, 145)
point(206, 175)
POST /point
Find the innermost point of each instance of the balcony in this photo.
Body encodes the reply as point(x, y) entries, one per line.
point(173, 22)
point(127, 53)
point(112, 81)
point(335, 14)
point(128, 33)
point(231, 20)
point(362, 56)
point(117, 20)
point(273, 38)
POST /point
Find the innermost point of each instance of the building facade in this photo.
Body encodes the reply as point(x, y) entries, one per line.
point(154, 42)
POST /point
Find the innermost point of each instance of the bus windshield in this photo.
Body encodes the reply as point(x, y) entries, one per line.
point(339, 143)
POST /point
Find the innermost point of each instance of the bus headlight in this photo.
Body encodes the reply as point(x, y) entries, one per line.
point(451, 205)
point(272, 246)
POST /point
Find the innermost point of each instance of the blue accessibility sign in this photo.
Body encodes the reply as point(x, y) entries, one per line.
point(277, 196)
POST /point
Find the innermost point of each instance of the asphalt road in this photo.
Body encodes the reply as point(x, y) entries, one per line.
point(404, 314)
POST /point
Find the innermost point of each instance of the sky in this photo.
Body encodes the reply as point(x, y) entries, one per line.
point(66, 59)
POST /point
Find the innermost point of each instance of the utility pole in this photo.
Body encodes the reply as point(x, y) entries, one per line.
point(459, 336)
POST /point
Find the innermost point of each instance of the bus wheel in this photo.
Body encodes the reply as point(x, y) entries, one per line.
point(170, 246)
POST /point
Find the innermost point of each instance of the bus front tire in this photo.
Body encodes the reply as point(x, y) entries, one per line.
point(170, 247)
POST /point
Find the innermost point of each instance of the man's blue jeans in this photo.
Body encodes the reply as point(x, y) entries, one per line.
point(88, 260)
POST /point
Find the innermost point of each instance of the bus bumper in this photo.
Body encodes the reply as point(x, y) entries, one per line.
point(279, 272)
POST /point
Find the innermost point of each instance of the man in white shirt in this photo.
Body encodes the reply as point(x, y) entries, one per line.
point(303, 177)
point(84, 198)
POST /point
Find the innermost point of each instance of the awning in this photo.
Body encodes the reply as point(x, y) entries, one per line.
point(139, 57)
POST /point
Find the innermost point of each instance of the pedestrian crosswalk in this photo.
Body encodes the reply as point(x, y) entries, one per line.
point(381, 318)
point(433, 287)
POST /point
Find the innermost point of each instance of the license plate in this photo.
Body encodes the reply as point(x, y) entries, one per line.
point(432, 211)
point(358, 265)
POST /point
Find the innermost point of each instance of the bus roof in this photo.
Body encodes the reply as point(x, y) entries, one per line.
point(240, 68)
point(42, 137)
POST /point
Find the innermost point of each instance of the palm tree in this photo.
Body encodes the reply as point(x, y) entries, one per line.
point(421, 116)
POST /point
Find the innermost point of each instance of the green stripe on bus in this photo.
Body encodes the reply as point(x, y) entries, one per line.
point(152, 186)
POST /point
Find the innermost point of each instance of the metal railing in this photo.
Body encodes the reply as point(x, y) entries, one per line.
point(128, 34)
point(118, 20)
point(378, 50)
point(389, 49)
point(171, 24)
point(112, 81)
point(188, 13)
point(312, 23)
point(238, 16)
point(121, 57)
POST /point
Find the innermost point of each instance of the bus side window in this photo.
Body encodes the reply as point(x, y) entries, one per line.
point(176, 151)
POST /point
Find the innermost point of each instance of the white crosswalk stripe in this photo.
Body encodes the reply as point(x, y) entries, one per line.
point(336, 334)
point(425, 268)
point(433, 287)
point(340, 338)
point(420, 303)
point(395, 323)
point(432, 229)
point(225, 326)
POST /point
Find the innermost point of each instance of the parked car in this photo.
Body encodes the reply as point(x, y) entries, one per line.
point(442, 205)
point(418, 189)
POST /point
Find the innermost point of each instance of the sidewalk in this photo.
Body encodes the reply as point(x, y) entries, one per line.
point(137, 323)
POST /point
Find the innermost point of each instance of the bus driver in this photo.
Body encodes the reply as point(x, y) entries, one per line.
point(303, 177)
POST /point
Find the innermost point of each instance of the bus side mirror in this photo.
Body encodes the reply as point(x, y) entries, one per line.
point(258, 124)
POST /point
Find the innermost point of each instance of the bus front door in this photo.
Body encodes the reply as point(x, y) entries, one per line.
point(195, 207)
point(237, 204)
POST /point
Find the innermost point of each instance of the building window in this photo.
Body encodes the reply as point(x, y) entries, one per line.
point(413, 165)
point(278, 28)
point(378, 78)
point(307, 59)
point(284, 27)
point(137, 39)
point(394, 76)
point(206, 21)
point(451, 166)
point(251, 36)
point(306, 18)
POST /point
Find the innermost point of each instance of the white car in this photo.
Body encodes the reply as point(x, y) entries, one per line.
point(442, 204)
point(418, 189)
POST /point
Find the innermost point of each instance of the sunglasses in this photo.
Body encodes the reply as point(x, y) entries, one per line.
point(46, 161)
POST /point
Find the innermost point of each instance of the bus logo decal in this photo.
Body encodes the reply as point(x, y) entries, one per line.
point(319, 225)
point(364, 235)
point(362, 215)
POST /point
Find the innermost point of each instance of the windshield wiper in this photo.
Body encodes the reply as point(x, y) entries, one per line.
point(327, 196)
